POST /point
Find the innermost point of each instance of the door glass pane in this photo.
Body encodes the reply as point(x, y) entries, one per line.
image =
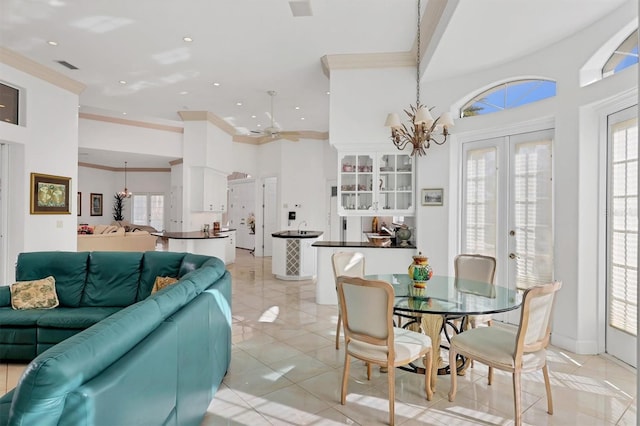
point(156, 218)
point(532, 197)
point(480, 202)
point(622, 225)
point(139, 210)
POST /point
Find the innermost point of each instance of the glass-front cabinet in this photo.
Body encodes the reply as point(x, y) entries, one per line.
point(375, 184)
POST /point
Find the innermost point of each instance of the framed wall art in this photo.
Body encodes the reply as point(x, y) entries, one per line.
point(96, 204)
point(432, 196)
point(50, 194)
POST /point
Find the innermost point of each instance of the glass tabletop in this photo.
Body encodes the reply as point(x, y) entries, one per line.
point(446, 295)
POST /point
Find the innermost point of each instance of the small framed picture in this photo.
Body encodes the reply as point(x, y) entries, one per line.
point(50, 194)
point(96, 204)
point(79, 203)
point(432, 196)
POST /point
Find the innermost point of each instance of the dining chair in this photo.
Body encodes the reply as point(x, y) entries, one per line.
point(369, 334)
point(476, 267)
point(350, 264)
point(517, 351)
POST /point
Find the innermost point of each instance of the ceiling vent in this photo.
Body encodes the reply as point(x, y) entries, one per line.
point(300, 8)
point(67, 64)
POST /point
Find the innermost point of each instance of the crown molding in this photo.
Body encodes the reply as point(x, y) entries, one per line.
point(129, 169)
point(210, 117)
point(126, 122)
point(367, 60)
point(24, 64)
point(176, 162)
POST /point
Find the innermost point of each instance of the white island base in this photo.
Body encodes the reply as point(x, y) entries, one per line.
point(378, 260)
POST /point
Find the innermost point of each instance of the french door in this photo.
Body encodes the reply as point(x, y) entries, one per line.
point(507, 207)
point(148, 209)
point(622, 236)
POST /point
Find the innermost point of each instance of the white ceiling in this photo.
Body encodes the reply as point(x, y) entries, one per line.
point(252, 46)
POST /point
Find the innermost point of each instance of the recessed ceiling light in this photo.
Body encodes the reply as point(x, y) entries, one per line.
point(184, 92)
point(2, 106)
point(122, 82)
point(301, 118)
point(52, 43)
point(124, 113)
point(328, 93)
point(239, 103)
point(216, 84)
point(187, 39)
point(297, 107)
point(253, 116)
point(258, 125)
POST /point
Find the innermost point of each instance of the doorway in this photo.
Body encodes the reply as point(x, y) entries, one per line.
point(622, 236)
point(507, 207)
point(148, 210)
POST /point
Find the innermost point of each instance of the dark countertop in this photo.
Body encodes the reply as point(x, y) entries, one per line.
point(193, 235)
point(356, 244)
point(296, 234)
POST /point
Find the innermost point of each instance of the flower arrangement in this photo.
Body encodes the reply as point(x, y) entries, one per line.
point(251, 221)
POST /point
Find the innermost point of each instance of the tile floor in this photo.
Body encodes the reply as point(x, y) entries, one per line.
point(285, 370)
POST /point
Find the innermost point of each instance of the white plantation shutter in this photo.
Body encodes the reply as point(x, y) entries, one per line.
point(622, 253)
point(480, 201)
point(532, 219)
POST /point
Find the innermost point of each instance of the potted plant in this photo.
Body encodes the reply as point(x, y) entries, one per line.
point(118, 207)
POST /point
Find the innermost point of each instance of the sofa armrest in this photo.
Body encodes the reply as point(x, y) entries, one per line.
point(5, 296)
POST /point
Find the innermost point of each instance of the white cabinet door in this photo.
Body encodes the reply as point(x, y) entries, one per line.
point(208, 190)
point(374, 184)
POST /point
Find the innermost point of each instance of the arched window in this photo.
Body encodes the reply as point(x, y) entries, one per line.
point(509, 95)
point(624, 56)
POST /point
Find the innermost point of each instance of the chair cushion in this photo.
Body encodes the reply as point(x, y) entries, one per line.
point(495, 346)
point(409, 345)
point(113, 279)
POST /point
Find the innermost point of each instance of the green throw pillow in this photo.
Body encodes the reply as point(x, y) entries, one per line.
point(37, 294)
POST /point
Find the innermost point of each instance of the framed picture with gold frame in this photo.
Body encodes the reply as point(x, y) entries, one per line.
point(50, 194)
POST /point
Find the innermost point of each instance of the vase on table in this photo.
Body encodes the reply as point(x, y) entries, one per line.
point(420, 271)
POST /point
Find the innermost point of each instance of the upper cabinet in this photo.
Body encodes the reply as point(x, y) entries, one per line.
point(375, 184)
point(208, 190)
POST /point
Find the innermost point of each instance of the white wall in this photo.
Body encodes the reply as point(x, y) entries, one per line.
point(46, 143)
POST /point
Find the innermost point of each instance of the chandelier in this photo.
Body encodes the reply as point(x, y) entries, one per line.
point(125, 193)
point(422, 128)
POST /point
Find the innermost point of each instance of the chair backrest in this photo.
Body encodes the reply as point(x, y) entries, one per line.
point(347, 263)
point(367, 310)
point(535, 318)
point(476, 267)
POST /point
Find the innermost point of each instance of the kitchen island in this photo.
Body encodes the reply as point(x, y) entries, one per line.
point(294, 257)
point(378, 260)
point(197, 242)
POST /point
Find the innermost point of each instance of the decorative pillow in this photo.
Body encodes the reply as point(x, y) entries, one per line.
point(162, 282)
point(110, 229)
point(37, 294)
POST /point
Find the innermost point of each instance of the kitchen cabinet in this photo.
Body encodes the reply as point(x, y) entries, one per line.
point(375, 184)
point(208, 190)
point(230, 248)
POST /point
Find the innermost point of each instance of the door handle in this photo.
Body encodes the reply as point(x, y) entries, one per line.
point(513, 256)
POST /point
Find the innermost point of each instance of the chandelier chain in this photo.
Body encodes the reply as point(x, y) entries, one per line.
point(418, 59)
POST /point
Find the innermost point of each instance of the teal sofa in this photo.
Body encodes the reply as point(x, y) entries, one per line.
point(113, 353)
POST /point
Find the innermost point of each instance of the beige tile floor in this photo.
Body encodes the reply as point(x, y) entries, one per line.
point(285, 370)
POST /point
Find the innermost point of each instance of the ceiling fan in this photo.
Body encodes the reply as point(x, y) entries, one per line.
point(274, 131)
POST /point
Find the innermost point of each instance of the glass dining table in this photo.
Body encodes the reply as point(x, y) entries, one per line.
point(443, 306)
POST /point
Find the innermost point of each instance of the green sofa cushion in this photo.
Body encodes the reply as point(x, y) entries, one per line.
point(5, 405)
point(113, 278)
point(22, 317)
point(192, 262)
point(157, 264)
point(44, 386)
point(68, 268)
point(75, 317)
point(5, 296)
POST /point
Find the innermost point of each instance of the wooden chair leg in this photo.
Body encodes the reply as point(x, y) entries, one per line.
point(428, 360)
point(547, 384)
point(338, 331)
point(454, 376)
point(517, 398)
point(490, 376)
point(345, 377)
point(368, 371)
point(391, 377)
